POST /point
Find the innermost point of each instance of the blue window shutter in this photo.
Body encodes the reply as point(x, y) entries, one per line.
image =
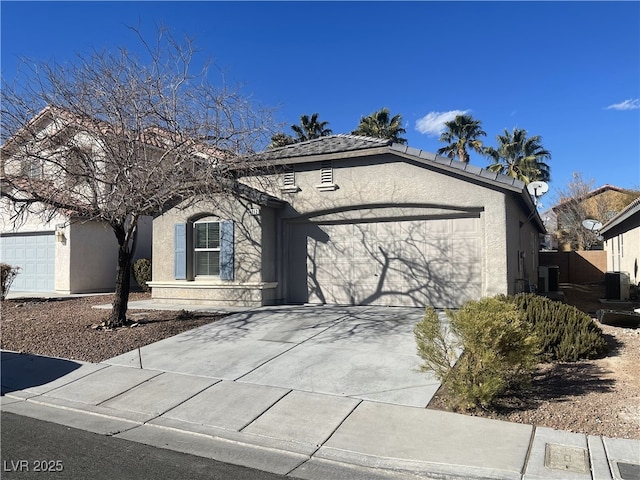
point(180, 251)
point(226, 250)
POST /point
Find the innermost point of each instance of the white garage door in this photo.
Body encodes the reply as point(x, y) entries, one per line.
point(408, 263)
point(35, 255)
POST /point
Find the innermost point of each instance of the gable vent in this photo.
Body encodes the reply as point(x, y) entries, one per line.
point(326, 172)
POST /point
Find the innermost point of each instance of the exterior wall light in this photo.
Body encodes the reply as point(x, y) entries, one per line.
point(59, 234)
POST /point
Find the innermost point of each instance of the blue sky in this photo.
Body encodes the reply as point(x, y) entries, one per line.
point(567, 71)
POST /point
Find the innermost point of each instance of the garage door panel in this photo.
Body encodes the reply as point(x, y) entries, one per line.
point(464, 225)
point(408, 263)
point(34, 254)
point(438, 227)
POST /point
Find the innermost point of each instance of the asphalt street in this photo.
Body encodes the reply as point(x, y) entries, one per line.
point(34, 449)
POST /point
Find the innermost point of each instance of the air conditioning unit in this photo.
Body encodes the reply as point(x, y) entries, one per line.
point(616, 285)
point(548, 278)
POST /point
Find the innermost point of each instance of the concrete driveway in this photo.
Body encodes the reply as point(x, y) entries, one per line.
point(366, 353)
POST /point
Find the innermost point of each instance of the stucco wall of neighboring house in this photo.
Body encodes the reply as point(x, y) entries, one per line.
point(623, 253)
point(252, 284)
point(31, 223)
point(93, 253)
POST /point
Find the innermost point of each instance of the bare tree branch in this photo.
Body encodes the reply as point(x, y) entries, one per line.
point(114, 136)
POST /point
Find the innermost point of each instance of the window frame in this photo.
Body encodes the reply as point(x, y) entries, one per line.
point(196, 249)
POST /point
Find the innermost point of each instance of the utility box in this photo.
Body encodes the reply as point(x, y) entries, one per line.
point(616, 285)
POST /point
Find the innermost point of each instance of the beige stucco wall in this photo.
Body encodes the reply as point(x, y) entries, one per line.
point(623, 254)
point(93, 254)
point(252, 285)
point(523, 242)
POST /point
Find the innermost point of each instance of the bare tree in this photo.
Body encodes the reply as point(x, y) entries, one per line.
point(580, 201)
point(114, 136)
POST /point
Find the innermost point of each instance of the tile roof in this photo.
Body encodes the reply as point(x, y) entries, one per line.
point(325, 145)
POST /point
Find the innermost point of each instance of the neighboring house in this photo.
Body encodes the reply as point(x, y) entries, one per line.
point(64, 254)
point(351, 220)
point(622, 241)
point(600, 204)
point(550, 221)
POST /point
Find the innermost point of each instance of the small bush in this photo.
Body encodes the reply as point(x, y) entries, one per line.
point(500, 351)
point(185, 315)
point(566, 333)
point(142, 273)
point(7, 274)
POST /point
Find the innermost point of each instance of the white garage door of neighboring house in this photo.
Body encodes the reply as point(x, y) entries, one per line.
point(400, 263)
point(35, 255)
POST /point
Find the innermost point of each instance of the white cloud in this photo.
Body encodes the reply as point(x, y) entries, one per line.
point(630, 104)
point(432, 123)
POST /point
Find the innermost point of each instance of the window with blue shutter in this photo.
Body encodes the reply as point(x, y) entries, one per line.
point(226, 250)
point(180, 251)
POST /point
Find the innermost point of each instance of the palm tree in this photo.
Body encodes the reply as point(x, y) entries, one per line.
point(281, 140)
point(380, 125)
point(520, 157)
point(461, 133)
point(310, 128)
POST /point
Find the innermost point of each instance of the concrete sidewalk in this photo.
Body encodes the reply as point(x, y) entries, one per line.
point(310, 392)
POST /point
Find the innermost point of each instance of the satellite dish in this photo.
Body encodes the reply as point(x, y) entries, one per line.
point(537, 189)
point(593, 225)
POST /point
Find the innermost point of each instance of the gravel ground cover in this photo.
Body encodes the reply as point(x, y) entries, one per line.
point(65, 327)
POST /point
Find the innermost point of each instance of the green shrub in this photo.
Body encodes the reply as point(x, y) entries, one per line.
point(142, 273)
point(500, 351)
point(566, 333)
point(7, 274)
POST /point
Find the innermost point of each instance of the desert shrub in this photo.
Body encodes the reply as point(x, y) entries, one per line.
point(7, 274)
point(566, 334)
point(142, 273)
point(185, 315)
point(499, 345)
point(436, 346)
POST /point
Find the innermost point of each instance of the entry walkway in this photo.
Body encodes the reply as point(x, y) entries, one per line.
point(311, 392)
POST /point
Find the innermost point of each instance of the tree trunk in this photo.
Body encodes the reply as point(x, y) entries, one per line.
point(120, 304)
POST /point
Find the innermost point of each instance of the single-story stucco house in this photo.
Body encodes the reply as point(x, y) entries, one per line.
point(351, 220)
point(622, 241)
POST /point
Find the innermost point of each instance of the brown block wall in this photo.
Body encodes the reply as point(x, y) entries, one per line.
point(585, 266)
